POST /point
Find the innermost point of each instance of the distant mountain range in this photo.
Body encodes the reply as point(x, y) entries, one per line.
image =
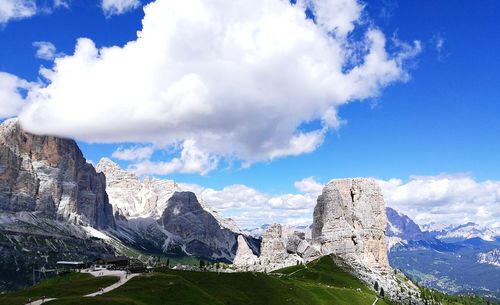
point(462, 258)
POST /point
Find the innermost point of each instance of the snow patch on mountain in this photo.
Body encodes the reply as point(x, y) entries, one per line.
point(463, 232)
point(491, 258)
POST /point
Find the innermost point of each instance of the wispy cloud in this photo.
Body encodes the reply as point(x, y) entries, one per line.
point(135, 153)
point(439, 43)
point(16, 9)
point(46, 50)
point(118, 7)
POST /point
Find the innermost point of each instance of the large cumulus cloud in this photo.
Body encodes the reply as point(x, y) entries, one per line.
point(237, 79)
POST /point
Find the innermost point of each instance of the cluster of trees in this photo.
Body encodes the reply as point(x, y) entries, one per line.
point(434, 297)
point(206, 264)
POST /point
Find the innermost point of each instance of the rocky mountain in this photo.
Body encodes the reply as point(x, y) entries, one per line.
point(157, 216)
point(491, 258)
point(196, 231)
point(275, 253)
point(132, 197)
point(402, 227)
point(350, 220)
point(50, 201)
point(50, 177)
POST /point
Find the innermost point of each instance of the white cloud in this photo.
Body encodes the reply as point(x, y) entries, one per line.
point(16, 9)
point(118, 7)
point(251, 208)
point(309, 185)
point(336, 16)
point(445, 199)
point(45, 50)
point(191, 160)
point(238, 78)
point(133, 153)
point(439, 42)
point(11, 98)
point(61, 3)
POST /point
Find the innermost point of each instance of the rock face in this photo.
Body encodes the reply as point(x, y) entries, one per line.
point(151, 217)
point(273, 254)
point(131, 197)
point(401, 231)
point(50, 198)
point(244, 255)
point(298, 244)
point(195, 230)
point(350, 221)
point(50, 177)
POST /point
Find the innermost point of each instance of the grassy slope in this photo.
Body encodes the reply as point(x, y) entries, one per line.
point(67, 285)
point(321, 283)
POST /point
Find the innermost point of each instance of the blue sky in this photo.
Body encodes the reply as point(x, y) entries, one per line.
point(442, 120)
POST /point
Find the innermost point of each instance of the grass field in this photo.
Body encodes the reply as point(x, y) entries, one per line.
point(67, 285)
point(321, 283)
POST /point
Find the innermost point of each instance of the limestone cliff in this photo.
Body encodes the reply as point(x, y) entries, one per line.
point(350, 221)
point(50, 177)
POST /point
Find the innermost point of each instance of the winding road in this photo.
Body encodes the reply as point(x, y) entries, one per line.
point(124, 277)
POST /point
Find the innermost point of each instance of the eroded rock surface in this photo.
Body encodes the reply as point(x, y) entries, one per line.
point(196, 230)
point(350, 221)
point(49, 176)
point(132, 197)
point(273, 254)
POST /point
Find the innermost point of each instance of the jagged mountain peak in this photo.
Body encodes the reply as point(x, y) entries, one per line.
point(133, 197)
point(106, 164)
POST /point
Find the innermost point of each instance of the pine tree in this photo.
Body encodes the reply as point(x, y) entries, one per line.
point(376, 286)
point(382, 293)
point(168, 262)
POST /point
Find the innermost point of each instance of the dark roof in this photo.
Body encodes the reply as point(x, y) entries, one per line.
point(113, 259)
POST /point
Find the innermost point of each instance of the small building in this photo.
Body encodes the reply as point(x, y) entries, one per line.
point(136, 266)
point(70, 265)
point(111, 262)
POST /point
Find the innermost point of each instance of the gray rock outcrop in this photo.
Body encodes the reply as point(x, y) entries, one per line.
point(350, 221)
point(298, 244)
point(50, 177)
point(196, 231)
point(273, 253)
point(244, 255)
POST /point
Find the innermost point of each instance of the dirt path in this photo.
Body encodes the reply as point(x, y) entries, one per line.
point(38, 302)
point(124, 277)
